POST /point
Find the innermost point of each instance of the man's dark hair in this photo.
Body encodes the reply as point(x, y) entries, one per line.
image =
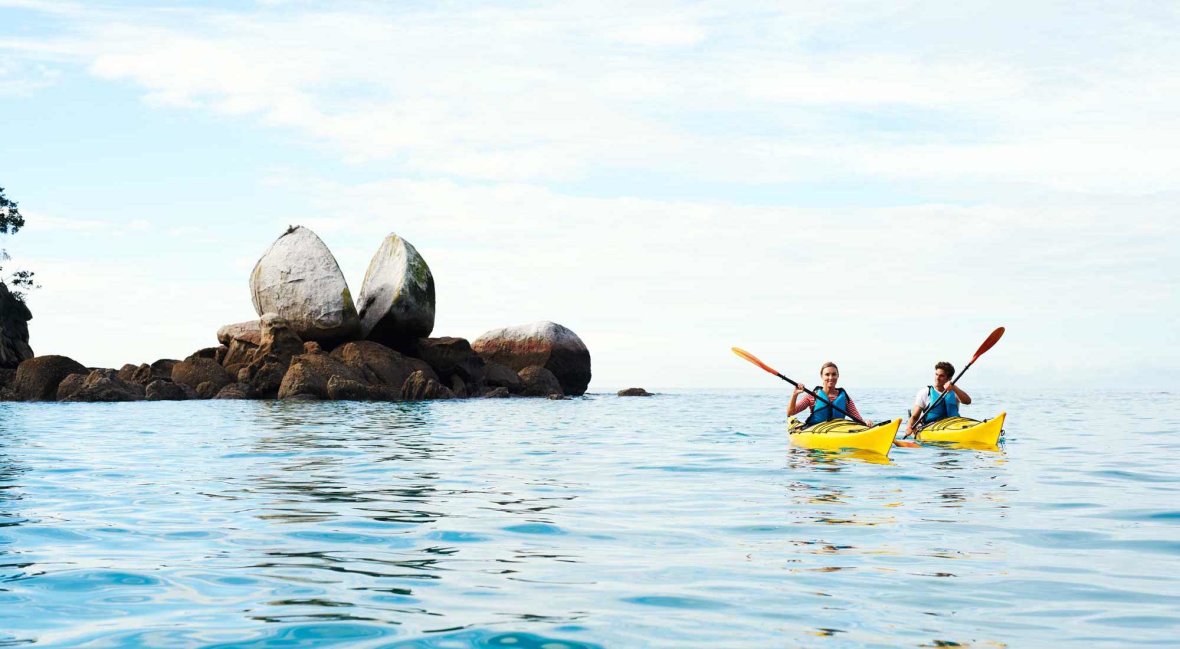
point(945, 367)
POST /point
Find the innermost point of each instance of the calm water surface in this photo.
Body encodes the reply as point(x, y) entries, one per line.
point(679, 520)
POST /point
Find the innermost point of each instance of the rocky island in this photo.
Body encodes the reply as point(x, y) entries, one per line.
point(311, 342)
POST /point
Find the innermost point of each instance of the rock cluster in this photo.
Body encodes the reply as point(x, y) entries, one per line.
point(14, 330)
point(311, 343)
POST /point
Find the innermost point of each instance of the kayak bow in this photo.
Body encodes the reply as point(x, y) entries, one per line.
point(842, 433)
point(962, 429)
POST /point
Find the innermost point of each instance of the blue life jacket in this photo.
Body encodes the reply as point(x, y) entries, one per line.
point(948, 407)
point(822, 409)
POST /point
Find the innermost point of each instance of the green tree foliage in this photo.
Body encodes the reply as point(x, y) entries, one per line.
point(11, 222)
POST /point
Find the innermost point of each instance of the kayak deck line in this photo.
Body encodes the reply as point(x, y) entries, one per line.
point(964, 430)
point(844, 434)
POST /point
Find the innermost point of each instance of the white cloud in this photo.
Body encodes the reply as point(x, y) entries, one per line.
point(552, 93)
point(496, 134)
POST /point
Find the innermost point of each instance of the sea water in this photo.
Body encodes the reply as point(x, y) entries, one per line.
point(683, 519)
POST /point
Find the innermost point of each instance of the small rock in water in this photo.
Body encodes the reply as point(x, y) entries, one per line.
point(634, 392)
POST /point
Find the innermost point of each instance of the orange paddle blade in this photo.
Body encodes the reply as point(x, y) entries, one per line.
point(989, 343)
point(753, 359)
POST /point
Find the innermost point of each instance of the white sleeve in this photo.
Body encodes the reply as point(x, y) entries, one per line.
point(922, 399)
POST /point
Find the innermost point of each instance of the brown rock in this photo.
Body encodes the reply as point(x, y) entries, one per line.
point(261, 367)
point(310, 373)
point(458, 387)
point(634, 392)
point(70, 386)
point(208, 389)
point(161, 390)
point(547, 344)
point(233, 391)
point(127, 371)
point(104, 386)
point(265, 380)
point(380, 365)
point(238, 354)
point(420, 387)
point(37, 378)
point(249, 331)
point(538, 382)
point(195, 370)
point(213, 353)
point(145, 374)
point(451, 357)
point(497, 393)
point(502, 376)
point(312, 347)
point(341, 389)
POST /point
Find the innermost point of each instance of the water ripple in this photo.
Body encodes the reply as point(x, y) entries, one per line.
point(685, 520)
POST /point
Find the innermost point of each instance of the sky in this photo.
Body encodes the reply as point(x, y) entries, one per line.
point(877, 184)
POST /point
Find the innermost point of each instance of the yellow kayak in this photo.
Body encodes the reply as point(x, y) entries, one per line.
point(842, 433)
point(964, 430)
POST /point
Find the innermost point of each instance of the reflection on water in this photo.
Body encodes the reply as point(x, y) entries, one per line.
point(681, 520)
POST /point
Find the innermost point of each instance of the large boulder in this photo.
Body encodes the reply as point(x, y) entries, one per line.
point(277, 342)
point(145, 374)
point(539, 382)
point(249, 331)
point(451, 358)
point(233, 391)
point(242, 340)
point(14, 329)
point(397, 297)
point(161, 390)
point(196, 370)
point(309, 375)
point(546, 344)
point(502, 376)
point(37, 378)
point(101, 385)
point(70, 386)
point(380, 365)
point(342, 389)
point(299, 279)
point(421, 387)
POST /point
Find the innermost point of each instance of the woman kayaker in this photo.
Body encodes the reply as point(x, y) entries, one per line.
point(829, 395)
point(948, 406)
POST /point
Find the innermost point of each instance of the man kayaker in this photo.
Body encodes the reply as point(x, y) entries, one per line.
point(948, 406)
point(829, 394)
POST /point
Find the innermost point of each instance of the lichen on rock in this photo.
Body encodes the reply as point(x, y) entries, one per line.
point(397, 297)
